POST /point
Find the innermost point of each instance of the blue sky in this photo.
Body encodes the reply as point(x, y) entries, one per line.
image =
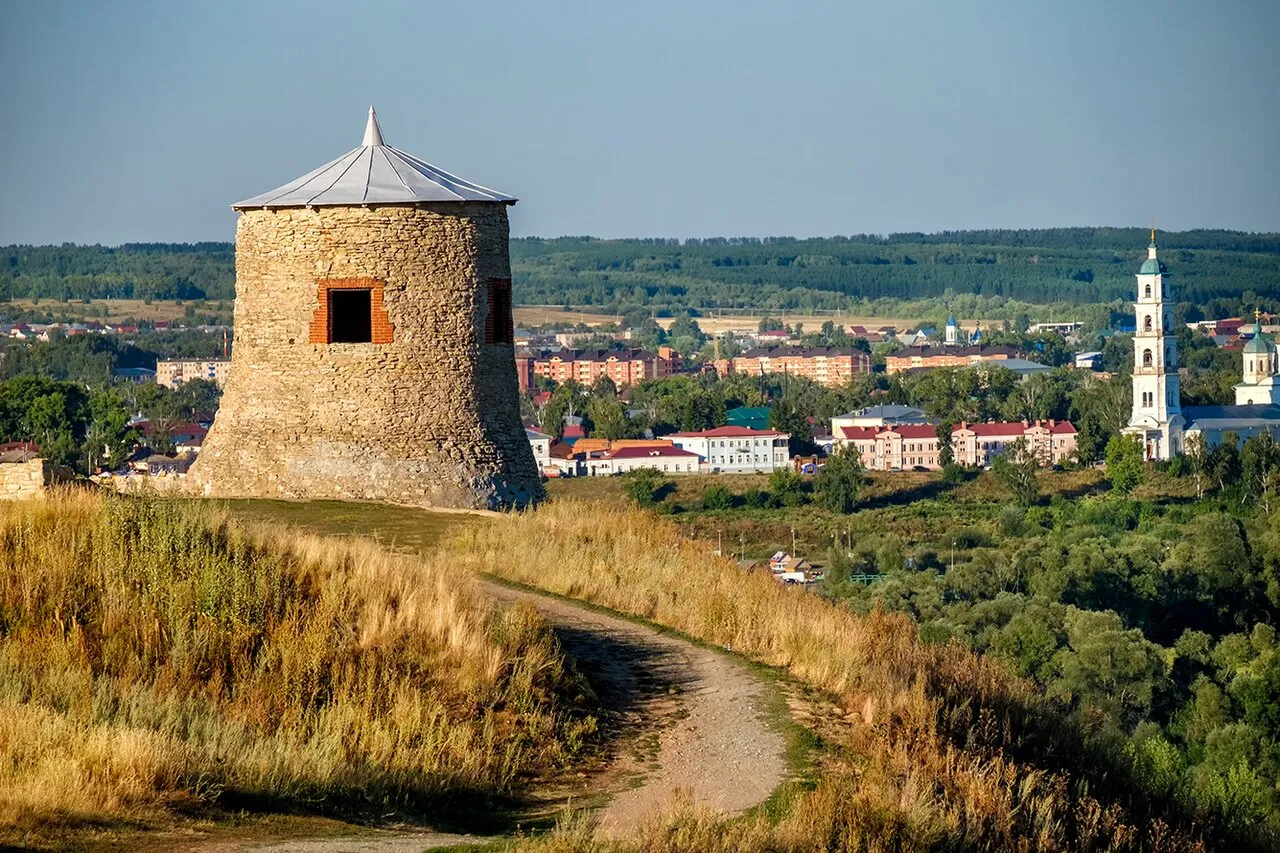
point(142, 121)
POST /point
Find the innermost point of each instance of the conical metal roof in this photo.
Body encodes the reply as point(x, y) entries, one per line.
point(374, 173)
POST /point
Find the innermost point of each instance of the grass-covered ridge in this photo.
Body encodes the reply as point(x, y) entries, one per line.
point(157, 659)
point(939, 748)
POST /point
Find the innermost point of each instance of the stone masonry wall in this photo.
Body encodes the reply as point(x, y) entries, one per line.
point(19, 480)
point(430, 418)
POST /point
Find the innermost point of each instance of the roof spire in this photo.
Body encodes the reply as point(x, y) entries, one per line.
point(372, 132)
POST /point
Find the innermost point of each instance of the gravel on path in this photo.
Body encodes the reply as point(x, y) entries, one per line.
point(699, 713)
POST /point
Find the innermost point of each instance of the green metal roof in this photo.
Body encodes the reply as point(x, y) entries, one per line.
point(755, 417)
point(1151, 266)
point(1259, 343)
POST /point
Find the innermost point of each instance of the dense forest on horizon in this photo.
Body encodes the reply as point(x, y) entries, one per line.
point(1061, 265)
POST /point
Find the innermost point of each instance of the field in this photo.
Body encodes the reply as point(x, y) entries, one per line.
point(113, 310)
point(161, 663)
point(529, 315)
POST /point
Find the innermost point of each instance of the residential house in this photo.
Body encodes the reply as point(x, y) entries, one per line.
point(829, 366)
point(926, 357)
point(670, 460)
point(732, 449)
point(887, 414)
point(540, 444)
point(624, 367)
point(908, 446)
point(172, 373)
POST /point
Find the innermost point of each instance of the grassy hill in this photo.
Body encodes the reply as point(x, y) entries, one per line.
point(159, 663)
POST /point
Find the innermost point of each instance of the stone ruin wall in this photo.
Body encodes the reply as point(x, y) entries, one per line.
point(29, 479)
point(431, 418)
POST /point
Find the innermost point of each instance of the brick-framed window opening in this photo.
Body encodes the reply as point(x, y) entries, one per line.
point(349, 310)
point(350, 316)
point(498, 325)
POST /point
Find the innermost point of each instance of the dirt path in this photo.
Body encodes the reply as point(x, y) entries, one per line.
point(687, 719)
point(712, 741)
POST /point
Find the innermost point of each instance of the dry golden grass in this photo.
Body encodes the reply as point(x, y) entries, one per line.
point(156, 659)
point(951, 751)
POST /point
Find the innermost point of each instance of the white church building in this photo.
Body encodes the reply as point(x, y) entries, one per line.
point(1158, 417)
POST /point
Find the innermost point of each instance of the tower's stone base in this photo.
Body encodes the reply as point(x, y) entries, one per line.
point(426, 413)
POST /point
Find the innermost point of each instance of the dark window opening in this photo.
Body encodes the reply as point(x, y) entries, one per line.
point(350, 316)
point(498, 326)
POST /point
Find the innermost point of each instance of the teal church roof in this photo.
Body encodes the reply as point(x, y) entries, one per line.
point(1259, 343)
point(1151, 266)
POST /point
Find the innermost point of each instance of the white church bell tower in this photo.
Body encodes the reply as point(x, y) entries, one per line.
point(1157, 408)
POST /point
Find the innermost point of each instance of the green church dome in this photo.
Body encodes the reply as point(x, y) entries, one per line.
point(1258, 344)
point(1152, 266)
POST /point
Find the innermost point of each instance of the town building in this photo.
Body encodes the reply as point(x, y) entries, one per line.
point(732, 449)
point(830, 366)
point(1088, 360)
point(1211, 424)
point(1157, 417)
point(952, 331)
point(540, 444)
point(1260, 384)
point(373, 341)
point(916, 358)
point(134, 375)
point(173, 373)
point(668, 459)
point(887, 414)
point(624, 367)
point(1068, 327)
point(753, 417)
point(907, 446)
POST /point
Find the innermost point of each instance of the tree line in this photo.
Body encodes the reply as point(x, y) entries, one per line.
point(1067, 266)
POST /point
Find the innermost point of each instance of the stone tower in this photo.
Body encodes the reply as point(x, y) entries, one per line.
point(1157, 401)
point(373, 350)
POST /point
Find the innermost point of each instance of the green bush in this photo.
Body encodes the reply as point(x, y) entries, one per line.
point(717, 497)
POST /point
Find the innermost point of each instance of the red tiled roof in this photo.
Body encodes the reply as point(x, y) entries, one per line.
point(914, 430)
point(1004, 428)
point(560, 450)
point(852, 433)
point(930, 431)
point(650, 452)
point(726, 432)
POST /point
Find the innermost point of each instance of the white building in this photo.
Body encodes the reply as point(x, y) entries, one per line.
point(1158, 417)
point(888, 414)
point(669, 460)
point(952, 331)
point(1157, 403)
point(731, 449)
point(540, 444)
point(1260, 385)
point(1088, 360)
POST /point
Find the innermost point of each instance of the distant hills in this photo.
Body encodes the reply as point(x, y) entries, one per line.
point(1072, 265)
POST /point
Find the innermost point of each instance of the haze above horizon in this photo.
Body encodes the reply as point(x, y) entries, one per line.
point(144, 121)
